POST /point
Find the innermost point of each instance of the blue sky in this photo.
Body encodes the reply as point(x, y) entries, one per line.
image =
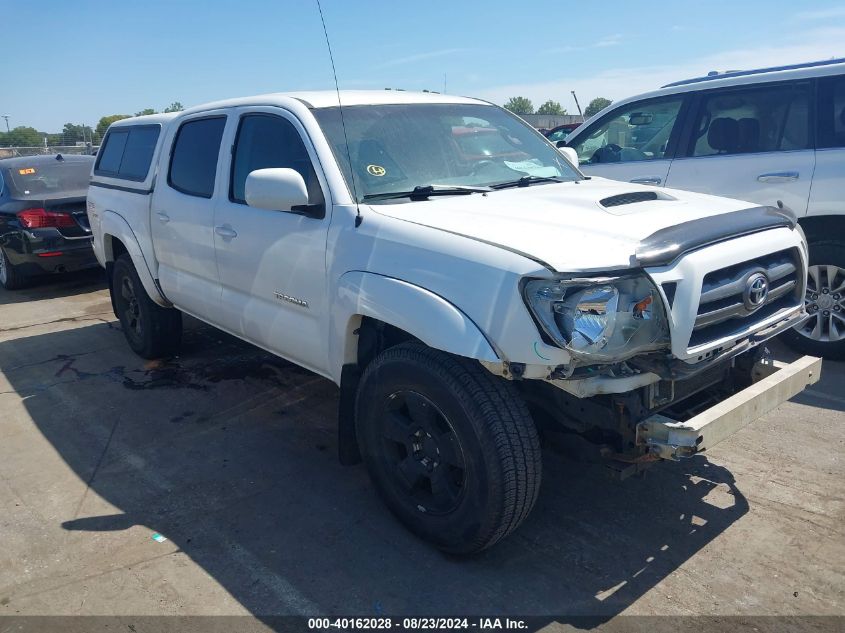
point(67, 61)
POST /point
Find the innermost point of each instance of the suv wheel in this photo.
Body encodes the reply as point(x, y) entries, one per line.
point(10, 277)
point(150, 330)
point(451, 449)
point(823, 334)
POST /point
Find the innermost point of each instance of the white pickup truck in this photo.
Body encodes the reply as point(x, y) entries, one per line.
point(461, 281)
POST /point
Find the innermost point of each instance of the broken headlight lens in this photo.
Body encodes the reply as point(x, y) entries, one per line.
point(602, 319)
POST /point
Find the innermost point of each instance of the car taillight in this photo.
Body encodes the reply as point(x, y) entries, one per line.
point(41, 219)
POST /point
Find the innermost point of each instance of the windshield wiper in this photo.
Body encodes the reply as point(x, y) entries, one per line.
point(426, 191)
point(527, 180)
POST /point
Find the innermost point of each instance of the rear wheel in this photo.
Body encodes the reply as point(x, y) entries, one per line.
point(823, 334)
point(452, 450)
point(10, 276)
point(150, 330)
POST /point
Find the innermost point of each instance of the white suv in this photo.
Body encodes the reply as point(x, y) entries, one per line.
point(768, 136)
point(461, 282)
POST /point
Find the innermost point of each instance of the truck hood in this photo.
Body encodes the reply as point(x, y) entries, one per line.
point(564, 226)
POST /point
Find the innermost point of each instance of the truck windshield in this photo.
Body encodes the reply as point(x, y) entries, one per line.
point(397, 148)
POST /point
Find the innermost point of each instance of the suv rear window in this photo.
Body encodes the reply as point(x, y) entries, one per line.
point(193, 162)
point(127, 152)
point(832, 112)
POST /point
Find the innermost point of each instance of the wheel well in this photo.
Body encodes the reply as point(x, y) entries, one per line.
point(823, 227)
point(373, 337)
point(114, 248)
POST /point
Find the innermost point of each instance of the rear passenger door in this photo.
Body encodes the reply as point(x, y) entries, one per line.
point(828, 193)
point(273, 263)
point(182, 216)
point(635, 142)
point(751, 143)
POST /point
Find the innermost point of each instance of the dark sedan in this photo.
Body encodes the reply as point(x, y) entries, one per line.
point(43, 221)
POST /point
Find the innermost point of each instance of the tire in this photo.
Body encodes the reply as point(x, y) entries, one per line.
point(10, 276)
point(451, 449)
point(824, 333)
point(150, 330)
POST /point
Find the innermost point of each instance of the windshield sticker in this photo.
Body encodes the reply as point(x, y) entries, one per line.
point(533, 167)
point(27, 171)
point(376, 170)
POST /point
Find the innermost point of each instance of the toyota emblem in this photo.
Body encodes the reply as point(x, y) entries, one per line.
point(756, 291)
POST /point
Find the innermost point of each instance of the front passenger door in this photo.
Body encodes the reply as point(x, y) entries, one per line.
point(273, 263)
point(635, 142)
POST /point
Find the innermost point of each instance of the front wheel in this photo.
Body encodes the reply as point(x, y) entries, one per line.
point(150, 330)
point(823, 334)
point(452, 450)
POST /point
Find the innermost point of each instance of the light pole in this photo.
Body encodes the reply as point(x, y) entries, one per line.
point(6, 116)
point(577, 105)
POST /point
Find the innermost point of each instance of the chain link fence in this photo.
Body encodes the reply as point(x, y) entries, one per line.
point(78, 148)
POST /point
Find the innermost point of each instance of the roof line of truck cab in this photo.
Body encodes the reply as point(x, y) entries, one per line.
point(329, 98)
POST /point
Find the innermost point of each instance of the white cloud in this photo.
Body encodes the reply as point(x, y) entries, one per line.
point(603, 42)
point(822, 14)
point(620, 82)
point(410, 59)
point(609, 40)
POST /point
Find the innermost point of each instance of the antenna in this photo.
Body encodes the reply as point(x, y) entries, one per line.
point(342, 121)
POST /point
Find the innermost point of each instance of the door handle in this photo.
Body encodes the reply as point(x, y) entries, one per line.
point(163, 217)
point(647, 180)
point(779, 176)
point(226, 232)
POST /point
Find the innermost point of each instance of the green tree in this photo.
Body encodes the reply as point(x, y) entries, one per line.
point(145, 111)
point(176, 106)
point(596, 105)
point(551, 107)
point(520, 105)
point(71, 133)
point(22, 136)
point(106, 121)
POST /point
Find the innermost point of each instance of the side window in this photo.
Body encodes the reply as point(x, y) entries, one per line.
point(263, 141)
point(638, 131)
point(110, 155)
point(193, 161)
point(832, 112)
point(760, 119)
point(127, 152)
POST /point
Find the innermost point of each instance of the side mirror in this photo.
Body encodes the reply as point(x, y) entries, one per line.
point(561, 143)
point(279, 189)
point(570, 154)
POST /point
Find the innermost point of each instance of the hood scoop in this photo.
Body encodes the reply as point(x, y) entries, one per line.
point(629, 198)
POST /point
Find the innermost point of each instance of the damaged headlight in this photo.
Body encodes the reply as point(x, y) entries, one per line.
point(602, 319)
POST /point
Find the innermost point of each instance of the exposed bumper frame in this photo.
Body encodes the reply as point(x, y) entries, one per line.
point(776, 383)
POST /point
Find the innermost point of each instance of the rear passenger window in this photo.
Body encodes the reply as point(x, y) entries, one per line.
point(767, 119)
point(193, 162)
point(265, 141)
point(832, 112)
point(127, 152)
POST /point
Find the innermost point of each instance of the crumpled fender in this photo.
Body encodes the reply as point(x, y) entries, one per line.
point(420, 312)
point(116, 226)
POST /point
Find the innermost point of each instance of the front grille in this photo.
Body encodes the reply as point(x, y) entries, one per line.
point(628, 198)
point(722, 309)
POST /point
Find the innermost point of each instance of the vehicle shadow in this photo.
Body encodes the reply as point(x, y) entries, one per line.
point(56, 286)
point(231, 454)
